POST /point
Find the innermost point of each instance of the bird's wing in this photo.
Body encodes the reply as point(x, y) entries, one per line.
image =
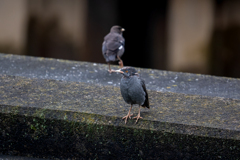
point(104, 47)
point(112, 46)
point(114, 42)
point(146, 102)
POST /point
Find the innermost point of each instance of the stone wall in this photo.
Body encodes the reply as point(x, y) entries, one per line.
point(53, 108)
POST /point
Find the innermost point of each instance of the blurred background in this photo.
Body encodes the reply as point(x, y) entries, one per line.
point(197, 36)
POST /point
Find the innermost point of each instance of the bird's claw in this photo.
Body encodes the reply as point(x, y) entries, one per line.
point(137, 117)
point(126, 117)
point(110, 71)
point(120, 64)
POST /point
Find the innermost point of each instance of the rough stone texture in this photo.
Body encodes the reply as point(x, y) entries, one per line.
point(62, 109)
point(95, 73)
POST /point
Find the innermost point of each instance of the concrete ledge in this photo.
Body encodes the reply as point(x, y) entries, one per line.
point(48, 117)
point(95, 73)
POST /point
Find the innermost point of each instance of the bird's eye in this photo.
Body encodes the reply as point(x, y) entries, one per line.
point(126, 71)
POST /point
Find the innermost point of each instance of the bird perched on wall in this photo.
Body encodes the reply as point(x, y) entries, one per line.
point(133, 90)
point(113, 46)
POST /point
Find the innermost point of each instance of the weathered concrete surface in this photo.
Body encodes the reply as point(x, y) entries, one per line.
point(7, 157)
point(95, 73)
point(69, 118)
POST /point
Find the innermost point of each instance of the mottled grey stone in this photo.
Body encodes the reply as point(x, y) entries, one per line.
point(74, 109)
point(95, 73)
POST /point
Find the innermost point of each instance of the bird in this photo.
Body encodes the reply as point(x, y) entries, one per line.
point(113, 46)
point(133, 90)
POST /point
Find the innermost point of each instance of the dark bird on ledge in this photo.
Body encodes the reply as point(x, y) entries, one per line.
point(113, 46)
point(133, 90)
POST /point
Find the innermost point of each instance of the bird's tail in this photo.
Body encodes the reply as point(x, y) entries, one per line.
point(146, 104)
point(110, 56)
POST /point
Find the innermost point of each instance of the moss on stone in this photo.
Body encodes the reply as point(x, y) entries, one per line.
point(68, 119)
point(52, 138)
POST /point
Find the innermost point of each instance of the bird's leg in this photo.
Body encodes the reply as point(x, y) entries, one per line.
point(110, 71)
point(120, 62)
point(138, 116)
point(128, 115)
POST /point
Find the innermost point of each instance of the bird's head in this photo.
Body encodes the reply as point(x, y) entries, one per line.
point(117, 29)
point(127, 71)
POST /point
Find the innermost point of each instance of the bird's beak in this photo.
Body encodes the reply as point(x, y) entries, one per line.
point(122, 29)
point(119, 71)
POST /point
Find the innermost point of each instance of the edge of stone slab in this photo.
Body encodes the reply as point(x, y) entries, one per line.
point(97, 119)
point(143, 124)
point(156, 80)
point(103, 64)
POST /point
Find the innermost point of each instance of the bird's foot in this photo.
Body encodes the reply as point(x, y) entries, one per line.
point(120, 64)
point(126, 117)
point(137, 117)
point(110, 71)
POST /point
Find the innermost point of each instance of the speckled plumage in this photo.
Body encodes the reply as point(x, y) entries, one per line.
point(113, 45)
point(133, 90)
